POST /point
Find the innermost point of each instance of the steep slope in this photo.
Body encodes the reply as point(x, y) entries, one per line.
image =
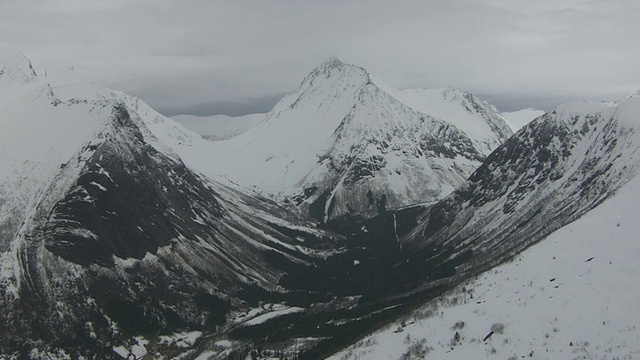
point(346, 145)
point(219, 127)
point(566, 297)
point(384, 154)
point(520, 118)
point(547, 175)
point(106, 234)
point(116, 234)
point(276, 154)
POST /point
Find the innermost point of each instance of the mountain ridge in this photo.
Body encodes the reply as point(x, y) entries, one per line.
point(314, 118)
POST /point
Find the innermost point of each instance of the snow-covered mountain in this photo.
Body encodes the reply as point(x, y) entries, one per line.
point(105, 233)
point(568, 297)
point(520, 118)
point(547, 175)
point(344, 144)
point(123, 233)
point(219, 127)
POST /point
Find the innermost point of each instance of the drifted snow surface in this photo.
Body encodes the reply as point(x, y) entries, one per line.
point(572, 296)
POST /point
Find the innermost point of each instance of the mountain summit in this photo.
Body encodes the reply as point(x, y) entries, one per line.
point(346, 144)
point(15, 68)
point(16, 74)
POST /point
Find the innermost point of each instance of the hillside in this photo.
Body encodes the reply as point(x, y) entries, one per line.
point(566, 297)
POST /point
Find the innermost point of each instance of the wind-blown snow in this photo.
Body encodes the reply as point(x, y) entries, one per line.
point(569, 297)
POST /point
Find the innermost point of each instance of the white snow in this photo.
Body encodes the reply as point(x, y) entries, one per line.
point(273, 314)
point(456, 107)
point(339, 110)
point(135, 351)
point(282, 149)
point(520, 118)
point(182, 339)
point(219, 127)
point(571, 296)
point(17, 76)
point(41, 148)
point(265, 312)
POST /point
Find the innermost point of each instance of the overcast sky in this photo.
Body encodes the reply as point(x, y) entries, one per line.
point(205, 57)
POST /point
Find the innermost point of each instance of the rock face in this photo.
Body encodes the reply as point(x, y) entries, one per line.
point(346, 146)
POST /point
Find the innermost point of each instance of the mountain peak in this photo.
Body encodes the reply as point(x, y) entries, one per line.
point(333, 67)
point(15, 67)
point(332, 61)
point(16, 74)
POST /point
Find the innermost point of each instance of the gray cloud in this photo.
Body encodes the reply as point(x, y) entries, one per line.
point(197, 56)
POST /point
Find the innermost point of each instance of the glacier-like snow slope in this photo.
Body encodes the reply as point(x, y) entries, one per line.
point(345, 144)
point(572, 296)
point(520, 118)
point(219, 127)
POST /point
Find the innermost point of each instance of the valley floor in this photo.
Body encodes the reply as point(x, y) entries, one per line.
point(572, 296)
